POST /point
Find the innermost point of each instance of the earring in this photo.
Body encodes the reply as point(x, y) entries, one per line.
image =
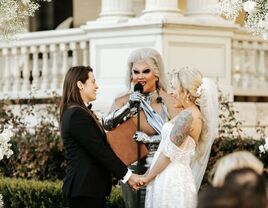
point(187, 99)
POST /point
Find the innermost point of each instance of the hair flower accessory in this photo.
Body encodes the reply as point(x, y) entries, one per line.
point(199, 89)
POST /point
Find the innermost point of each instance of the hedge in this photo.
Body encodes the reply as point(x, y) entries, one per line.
point(42, 194)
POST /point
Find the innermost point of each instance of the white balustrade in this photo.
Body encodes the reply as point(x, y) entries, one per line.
point(38, 62)
point(250, 66)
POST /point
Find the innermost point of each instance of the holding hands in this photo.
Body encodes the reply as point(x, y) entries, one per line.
point(136, 181)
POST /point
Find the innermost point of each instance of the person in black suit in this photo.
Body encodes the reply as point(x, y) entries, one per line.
point(90, 159)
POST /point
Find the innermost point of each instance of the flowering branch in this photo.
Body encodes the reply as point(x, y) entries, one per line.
point(256, 20)
point(4, 144)
point(14, 14)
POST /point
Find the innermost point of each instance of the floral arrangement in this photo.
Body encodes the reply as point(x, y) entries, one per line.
point(14, 14)
point(5, 150)
point(264, 147)
point(256, 11)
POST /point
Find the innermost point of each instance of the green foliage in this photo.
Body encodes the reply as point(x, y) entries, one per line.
point(42, 194)
point(229, 126)
point(38, 151)
point(30, 193)
point(116, 198)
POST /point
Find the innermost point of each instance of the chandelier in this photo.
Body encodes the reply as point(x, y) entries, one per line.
point(14, 16)
point(256, 14)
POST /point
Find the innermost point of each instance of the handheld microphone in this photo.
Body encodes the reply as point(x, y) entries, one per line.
point(135, 102)
point(138, 87)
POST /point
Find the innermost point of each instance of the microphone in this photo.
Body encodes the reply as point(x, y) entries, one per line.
point(135, 103)
point(138, 87)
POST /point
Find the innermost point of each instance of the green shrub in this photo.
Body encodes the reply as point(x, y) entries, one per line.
point(30, 193)
point(38, 152)
point(42, 194)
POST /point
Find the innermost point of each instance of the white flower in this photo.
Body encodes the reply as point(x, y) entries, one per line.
point(261, 148)
point(199, 89)
point(256, 19)
point(266, 140)
point(4, 144)
point(264, 148)
point(249, 6)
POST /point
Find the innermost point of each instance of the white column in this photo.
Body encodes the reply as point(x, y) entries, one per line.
point(116, 10)
point(161, 9)
point(202, 9)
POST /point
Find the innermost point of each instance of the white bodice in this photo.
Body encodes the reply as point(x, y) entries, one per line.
point(182, 154)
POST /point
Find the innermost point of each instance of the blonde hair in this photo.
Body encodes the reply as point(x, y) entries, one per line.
point(153, 59)
point(230, 162)
point(190, 80)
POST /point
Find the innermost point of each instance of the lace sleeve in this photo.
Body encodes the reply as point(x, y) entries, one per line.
point(178, 134)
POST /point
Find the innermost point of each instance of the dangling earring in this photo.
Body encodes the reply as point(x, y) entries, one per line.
point(157, 85)
point(187, 99)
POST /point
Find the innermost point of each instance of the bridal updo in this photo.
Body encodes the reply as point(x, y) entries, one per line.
point(191, 81)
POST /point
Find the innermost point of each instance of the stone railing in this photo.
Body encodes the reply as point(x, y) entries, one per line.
point(37, 62)
point(249, 65)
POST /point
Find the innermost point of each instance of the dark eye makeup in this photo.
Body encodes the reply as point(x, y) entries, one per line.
point(145, 71)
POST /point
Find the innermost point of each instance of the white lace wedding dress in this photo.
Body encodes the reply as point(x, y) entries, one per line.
point(174, 187)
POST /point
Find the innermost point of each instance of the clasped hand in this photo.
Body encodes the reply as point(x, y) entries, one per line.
point(136, 181)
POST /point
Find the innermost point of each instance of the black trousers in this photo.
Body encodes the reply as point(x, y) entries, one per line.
point(86, 202)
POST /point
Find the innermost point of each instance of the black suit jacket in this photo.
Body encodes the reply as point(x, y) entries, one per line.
point(90, 159)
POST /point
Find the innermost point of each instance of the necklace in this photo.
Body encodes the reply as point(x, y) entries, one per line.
point(148, 97)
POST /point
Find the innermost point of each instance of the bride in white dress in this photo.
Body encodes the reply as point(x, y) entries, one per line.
point(179, 164)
